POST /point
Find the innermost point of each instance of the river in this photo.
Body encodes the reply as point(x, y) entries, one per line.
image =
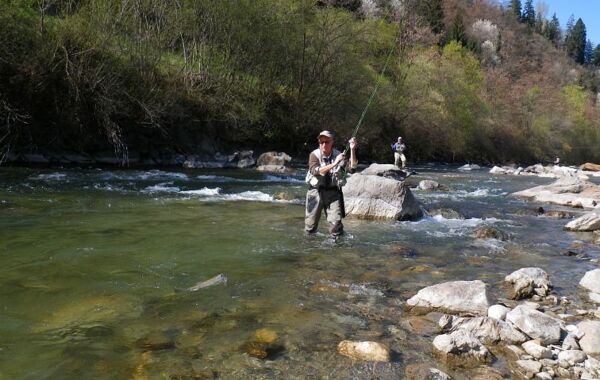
point(95, 267)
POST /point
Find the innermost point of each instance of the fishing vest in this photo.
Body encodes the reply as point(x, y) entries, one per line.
point(320, 181)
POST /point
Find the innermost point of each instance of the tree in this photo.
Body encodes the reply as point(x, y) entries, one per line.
point(457, 30)
point(575, 42)
point(433, 12)
point(596, 56)
point(529, 13)
point(552, 30)
point(588, 52)
point(516, 8)
point(569, 26)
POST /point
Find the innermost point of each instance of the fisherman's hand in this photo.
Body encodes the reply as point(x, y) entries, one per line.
point(339, 158)
point(353, 143)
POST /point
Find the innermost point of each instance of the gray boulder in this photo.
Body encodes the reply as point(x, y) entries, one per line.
point(461, 349)
point(376, 197)
point(529, 281)
point(453, 297)
point(587, 222)
point(273, 158)
point(535, 324)
point(590, 342)
point(591, 280)
point(386, 170)
point(428, 184)
point(567, 191)
point(486, 329)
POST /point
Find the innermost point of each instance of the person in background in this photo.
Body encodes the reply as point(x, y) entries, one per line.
point(325, 184)
point(399, 158)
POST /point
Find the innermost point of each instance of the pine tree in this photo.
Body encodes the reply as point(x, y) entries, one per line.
point(529, 13)
point(588, 52)
point(516, 8)
point(457, 30)
point(552, 30)
point(596, 56)
point(575, 42)
point(569, 27)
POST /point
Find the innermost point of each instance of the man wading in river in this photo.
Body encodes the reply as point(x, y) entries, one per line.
point(325, 181)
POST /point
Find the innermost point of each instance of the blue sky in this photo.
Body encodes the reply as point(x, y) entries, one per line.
point(587, 10)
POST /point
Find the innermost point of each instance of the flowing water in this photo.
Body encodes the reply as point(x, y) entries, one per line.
point(96, 266)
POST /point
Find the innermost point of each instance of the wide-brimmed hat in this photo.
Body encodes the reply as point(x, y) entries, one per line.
point(326, 134)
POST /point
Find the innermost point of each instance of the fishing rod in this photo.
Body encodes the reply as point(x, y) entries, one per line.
point(364, 112)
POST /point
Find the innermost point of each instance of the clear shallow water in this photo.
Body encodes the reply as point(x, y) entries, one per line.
point(94, 265)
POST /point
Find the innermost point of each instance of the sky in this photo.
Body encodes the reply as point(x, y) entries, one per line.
point(587, 10)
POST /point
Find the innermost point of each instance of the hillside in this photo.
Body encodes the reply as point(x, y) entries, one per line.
point(146, 79)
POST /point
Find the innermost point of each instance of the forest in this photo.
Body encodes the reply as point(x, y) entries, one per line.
point(467, 80)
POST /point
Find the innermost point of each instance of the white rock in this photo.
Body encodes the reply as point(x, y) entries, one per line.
point(526, 280)
point(587, 222)
point(572, 356)
point(535, 324)
point(536, 350)
point(591, 280)
point(543, 376)
point(570, 342)
point(486, 329)
point(461, 347)
point(498, 312)
point(531, 366)
point(590, 342)
point(366, 351)
point(455, 296)
point(428, 184)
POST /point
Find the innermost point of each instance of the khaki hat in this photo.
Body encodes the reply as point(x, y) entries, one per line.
point(326, 134)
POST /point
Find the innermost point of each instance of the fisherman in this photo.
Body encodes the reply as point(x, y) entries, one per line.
point(325, 181)
point(399, 158)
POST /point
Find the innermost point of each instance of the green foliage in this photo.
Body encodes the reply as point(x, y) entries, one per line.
point(515, 6)
point(433, 12)
point(575, 42)
point(529, 13)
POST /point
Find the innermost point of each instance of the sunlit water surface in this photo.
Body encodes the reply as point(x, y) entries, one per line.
point(95, 263)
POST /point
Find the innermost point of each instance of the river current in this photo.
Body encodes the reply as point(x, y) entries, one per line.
point(96, 266)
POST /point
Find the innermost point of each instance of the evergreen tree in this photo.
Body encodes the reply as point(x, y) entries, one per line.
point(457, 30)
point(433, 12)
point(575, 42)
point(541, 24)
point(588, 52)
point(516, 8)
point(596, 56)
point(552, 30)
point(569, 27)
point(529, 13)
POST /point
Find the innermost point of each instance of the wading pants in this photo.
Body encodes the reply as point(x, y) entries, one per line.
point(399, 160)
point(329, 201)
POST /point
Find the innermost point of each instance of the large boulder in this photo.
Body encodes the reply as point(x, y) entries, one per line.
point(567, 191)
point(535, 324)
point(590, 167)
point(486, 329)
point(275, 162)
point(590, 342)
point(386, 170)
point(376, 197)
point(469, 297)
point(461, 349)
point(587, 222)
point(591, 281)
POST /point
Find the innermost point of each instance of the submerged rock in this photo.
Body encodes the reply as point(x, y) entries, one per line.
point(424, 372)
point(367, 351)
point(446, 213)
point(490, 233)
point(453, 297)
